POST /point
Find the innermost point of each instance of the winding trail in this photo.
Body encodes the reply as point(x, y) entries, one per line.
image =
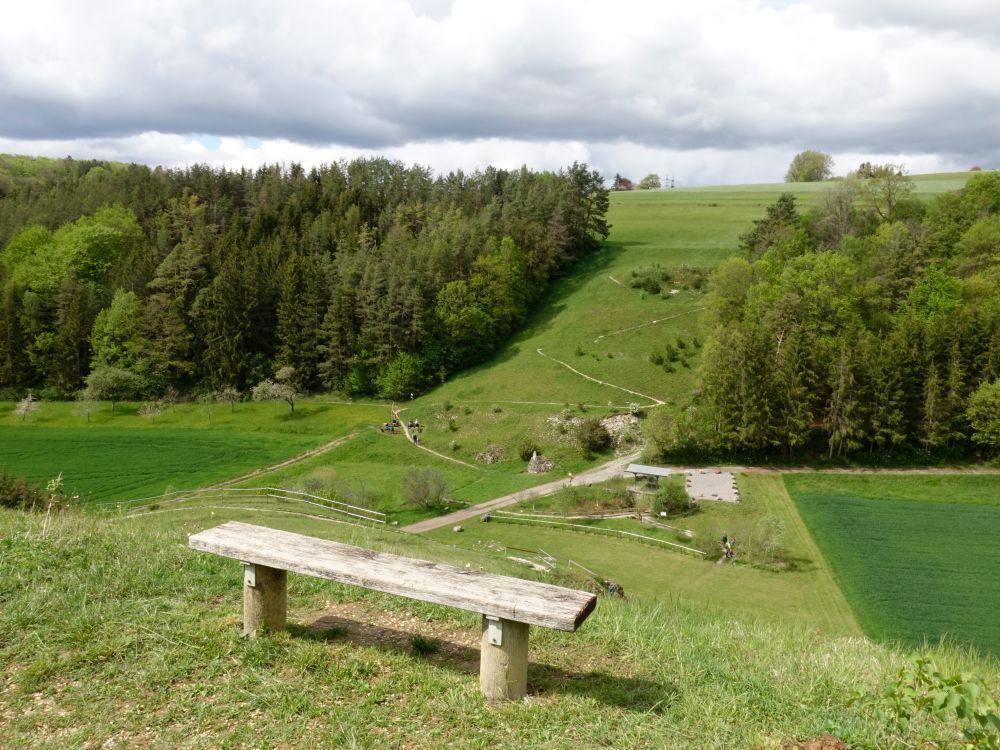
point(569, 367)
point(598, 474)
point(409, 438)
point(650, 323)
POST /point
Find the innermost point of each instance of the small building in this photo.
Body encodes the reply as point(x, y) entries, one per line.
point(648, 474)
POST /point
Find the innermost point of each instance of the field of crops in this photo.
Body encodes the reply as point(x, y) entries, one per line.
point(102, 463)
point(917, 556)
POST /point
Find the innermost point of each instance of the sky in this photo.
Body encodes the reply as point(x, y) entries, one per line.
point(706, 92)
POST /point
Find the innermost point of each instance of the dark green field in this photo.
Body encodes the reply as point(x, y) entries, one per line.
point(106, 463)
point(917, 556)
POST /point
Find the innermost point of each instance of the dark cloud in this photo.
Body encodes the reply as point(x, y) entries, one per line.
point(843, 76)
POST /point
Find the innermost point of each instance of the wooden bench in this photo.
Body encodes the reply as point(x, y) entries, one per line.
point(508, 605)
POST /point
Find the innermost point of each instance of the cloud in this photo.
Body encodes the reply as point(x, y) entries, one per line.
point(725, 77)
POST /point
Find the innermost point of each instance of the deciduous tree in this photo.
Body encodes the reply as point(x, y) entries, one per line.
point(810, 166)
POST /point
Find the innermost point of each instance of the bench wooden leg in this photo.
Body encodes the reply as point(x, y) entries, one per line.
point(503, 660)
point(265, 598)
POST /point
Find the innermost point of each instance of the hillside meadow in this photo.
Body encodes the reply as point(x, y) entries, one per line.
point(114, 634)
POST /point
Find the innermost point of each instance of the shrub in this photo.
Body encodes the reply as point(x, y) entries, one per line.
point(672, 500)
point(592, 436)
point(424, 488)
point(15, 492)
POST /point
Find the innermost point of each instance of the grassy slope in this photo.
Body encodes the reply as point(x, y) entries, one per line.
point(807, 595)
point(123, 456)
point(135, 642)
point(916, 555)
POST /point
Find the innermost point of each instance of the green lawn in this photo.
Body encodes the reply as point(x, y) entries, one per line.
point(806, 594)
point(917, 556)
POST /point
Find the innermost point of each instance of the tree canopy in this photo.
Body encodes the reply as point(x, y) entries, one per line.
point(810, 166)
point(879, 338)
point(368, 276)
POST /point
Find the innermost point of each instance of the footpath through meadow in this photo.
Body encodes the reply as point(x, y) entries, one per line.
point(598, 474)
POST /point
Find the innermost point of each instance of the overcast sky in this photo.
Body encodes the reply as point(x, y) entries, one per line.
point(711, 91)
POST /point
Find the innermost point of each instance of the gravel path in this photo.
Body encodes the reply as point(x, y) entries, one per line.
point(599, 474)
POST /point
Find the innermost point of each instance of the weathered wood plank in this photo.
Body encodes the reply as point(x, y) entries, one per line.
point(498, 596)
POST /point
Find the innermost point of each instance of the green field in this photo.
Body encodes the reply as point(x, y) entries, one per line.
point(124, 456)
point(103, 464)
point(917, 556)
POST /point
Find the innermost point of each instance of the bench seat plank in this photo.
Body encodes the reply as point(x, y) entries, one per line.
point(492, 595)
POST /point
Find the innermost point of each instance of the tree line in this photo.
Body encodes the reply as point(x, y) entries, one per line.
point(368, 276)
point(868, 325)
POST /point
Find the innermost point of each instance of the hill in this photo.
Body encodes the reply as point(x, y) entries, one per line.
point(113, 633)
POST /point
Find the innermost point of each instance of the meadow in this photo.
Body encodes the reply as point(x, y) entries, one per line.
point(135, 641)
point(915, 555)
point(805, 594)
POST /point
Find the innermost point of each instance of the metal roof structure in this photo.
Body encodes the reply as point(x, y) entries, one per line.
point(641, 470)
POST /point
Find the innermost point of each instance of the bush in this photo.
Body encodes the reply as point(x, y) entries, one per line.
point(592, 436)
point(15, 492)
point(672, 500)
point(424, 488)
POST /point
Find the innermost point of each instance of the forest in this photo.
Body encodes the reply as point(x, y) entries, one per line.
point(368, 277)
point(868, 325)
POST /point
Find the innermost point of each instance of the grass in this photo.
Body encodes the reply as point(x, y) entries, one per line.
point(374, 464)
point(114, 634)
point(807, 594)
point(916, 555)
point(123, 455)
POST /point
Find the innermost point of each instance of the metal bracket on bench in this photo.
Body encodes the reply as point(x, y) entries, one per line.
point(494, 631)
point(250, 575)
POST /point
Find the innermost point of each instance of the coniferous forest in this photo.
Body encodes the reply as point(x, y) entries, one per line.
point(868, 325)
point(370, 277)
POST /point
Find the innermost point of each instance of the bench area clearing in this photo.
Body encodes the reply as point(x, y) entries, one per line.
point(708, 484)
point(508, 605)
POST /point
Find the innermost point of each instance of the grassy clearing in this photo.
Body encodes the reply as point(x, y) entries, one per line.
point(135, 642)
point(916, 555)
point(371, 468)
point(806, 594)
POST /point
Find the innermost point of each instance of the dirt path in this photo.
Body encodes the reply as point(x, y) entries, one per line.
point(311, 453)
point(569, 367)
point(650, 323)
point(421, 446)
point(599, 474)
